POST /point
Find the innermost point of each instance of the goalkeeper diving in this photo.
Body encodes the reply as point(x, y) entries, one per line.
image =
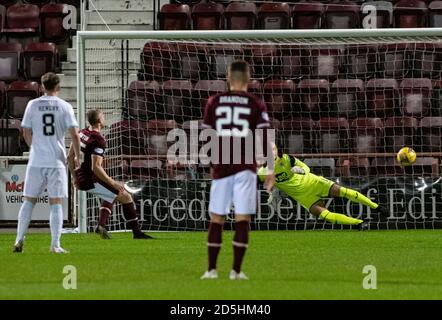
point(294, 178)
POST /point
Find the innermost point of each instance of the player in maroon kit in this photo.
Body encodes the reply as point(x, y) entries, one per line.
point(234, 115)
point(91, 177)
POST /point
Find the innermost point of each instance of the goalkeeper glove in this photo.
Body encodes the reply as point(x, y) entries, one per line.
point(298, 170)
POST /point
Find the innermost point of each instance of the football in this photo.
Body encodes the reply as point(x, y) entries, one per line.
point(406, 156)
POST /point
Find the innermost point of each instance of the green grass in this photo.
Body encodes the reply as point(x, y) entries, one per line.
point(281, 265)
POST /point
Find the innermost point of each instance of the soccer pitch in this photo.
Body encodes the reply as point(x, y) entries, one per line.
point(280, 265)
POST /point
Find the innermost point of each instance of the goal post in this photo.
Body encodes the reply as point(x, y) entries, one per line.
point(342, 99)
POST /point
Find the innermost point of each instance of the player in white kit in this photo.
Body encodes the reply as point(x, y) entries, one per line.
point(44, 124)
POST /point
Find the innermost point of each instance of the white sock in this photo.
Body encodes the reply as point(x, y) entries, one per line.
point(56, 223)
point(24, 218)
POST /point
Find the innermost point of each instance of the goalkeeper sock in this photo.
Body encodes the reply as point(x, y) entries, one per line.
point(214, 243)
point(24, 218)
point(356, 196)
point(240, 243)
point(131, 218)
point(105, 212)
point(338, 218)
point(56, 223)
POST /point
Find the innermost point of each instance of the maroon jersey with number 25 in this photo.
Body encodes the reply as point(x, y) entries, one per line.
point(234, 115)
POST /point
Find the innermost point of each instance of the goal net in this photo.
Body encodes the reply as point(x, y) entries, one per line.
point(342, 101)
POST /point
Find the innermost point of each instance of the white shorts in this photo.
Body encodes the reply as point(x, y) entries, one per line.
point(37, 179)
point(239, 189)
point(104, 192)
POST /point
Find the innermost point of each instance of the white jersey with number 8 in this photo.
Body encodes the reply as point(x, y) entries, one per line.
point(49, 118)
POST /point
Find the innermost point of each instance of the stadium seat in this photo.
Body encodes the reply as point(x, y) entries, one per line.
point(393, 60)
point(333, 135)
point(274, 16)
point(314, 97)
point(174, 17)
point(341, 15)
point(262, 59)
point(9, 137)
point(2, 99)
point(435, 14)
point(436, 101)
point(366, 134)
point(291, 62)
point(22, 20)
point(324, 63)
point(416, 95)
point(410, 14)
point(241, 16)
point(307, 15)
point(146, 169)
point(177, 98)
point(346, 97)
point(360, 61)
point(158, 129)
point(193, 62)
point(424, 166)
point(427, 60)
point(399, 132)
point(222, 56)
point(255, 87)
point(385, 167)
point(2, 18)
point(279, 97)
point(353, 167)
point(382, 97)
point(208, 16)
point(128, 137)
point(52, 29)
point(10, 60)
point(18, 94)
point(202, 91)
point(298, 135)
point(144, 100)
point(384, 12)
point(431, 133)
point(157, 61)
point(323, 166)
point(39, 58)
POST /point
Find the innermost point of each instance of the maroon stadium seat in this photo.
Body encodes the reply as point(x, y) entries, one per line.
point(291, 62)
point(435, 14)
point(410, 14)
point(399, 132)
point(146, 169)
point(431, 133)
point(222, 56)
point(255, 87)
point(193, 62)
point(208, 16)
point(298, 135)
point(10, 60)
point(274, 16)
point(9, 137)
point(353, 167)
point(202, 91)
point(416, 95)
point(436, 101)
point(427, 60)
point(393, 60)
point(18, 94)
point(360, 61)
point(279, 96)
point(51, 16)
point(384, 12)
point(144, 99)
point(2, 18)
point(307, 15)
point(333, 135)
point(324, 63)
point(158, 129)
point(174, 17)
point(22, 20)
point(342, 15)
point(424, 166)
point(2, 98)
point(314, 97)
point(40, 58)
point(241, 16)
point(347, 95)
point(177, 99)
point(325, 167)
point(386, 167)
point(366, 134)
point(262, 59)
point(131, 137)
point(382, 97)
point(157, 61)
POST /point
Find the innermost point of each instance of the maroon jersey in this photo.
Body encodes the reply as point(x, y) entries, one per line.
point(235, 115)
point(92, 143)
